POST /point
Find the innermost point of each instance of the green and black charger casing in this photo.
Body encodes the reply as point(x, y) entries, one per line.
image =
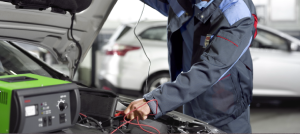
point(17, 91)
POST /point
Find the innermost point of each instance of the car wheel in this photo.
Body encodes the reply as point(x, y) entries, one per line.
point(157, 80)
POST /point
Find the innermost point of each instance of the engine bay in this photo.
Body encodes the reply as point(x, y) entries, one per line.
point(172, 122)
point(107, 116)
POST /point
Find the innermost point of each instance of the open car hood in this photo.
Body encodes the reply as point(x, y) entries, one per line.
point(52, 30)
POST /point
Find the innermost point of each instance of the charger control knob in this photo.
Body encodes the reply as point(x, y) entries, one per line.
point(61, 105)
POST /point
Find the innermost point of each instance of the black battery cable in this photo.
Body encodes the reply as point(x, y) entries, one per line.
point(76, 42)
point(134, 31)
point(146, 83)
point(80, 48)
point(93, 120)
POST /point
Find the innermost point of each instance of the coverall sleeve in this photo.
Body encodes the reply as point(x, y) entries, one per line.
point(223, 52)
point(161, 7)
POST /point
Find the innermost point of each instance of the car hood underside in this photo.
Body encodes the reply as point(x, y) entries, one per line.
point(51, 30)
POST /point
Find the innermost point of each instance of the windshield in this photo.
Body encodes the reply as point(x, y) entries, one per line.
point(13, 62)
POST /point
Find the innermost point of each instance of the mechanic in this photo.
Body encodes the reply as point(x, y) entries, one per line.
point(210, 62)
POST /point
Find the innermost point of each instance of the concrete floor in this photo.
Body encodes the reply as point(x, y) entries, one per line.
point(276, 119)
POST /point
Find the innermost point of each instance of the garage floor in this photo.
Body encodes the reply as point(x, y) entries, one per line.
point(283, 118)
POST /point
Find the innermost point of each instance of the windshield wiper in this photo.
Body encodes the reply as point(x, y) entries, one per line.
point(51, 71)
point(4, 70)
point(1, 67)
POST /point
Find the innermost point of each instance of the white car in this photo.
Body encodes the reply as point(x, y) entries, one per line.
point(124, 66)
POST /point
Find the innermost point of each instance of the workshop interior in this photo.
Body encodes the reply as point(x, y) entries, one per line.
point(36, 98)
point(33, 103)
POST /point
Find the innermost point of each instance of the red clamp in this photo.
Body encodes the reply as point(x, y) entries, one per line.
point(120, 113)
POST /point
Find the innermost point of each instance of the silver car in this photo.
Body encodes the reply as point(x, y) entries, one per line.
point(276, 61)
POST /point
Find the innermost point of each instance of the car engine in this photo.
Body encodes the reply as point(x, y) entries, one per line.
point(103, 113)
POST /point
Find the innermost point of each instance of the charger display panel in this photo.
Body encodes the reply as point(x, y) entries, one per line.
point(31, 110)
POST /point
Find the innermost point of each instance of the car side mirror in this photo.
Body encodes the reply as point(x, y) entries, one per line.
point(294, 46)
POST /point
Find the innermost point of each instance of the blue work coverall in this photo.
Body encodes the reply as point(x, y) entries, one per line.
point(210, 62)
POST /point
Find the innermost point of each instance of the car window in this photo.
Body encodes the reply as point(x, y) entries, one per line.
point(157, 33)
point(15, 62)
point(269, 40)
point(124, 31)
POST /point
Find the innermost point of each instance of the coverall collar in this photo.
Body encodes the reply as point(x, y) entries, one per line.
point(187, 5)
point(209, 10)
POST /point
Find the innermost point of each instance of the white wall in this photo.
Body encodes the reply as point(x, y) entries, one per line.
point(260, 2)
point(130, 11)
point(280, 14)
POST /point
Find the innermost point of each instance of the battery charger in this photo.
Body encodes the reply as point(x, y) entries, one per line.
point(31, 103)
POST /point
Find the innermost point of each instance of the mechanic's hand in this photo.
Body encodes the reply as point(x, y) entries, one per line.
point(142, 113)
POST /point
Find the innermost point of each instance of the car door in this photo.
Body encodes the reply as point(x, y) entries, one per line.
point(276, 67)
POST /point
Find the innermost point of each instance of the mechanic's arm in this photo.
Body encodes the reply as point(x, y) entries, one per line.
point(225, 49)
point(158, 5)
